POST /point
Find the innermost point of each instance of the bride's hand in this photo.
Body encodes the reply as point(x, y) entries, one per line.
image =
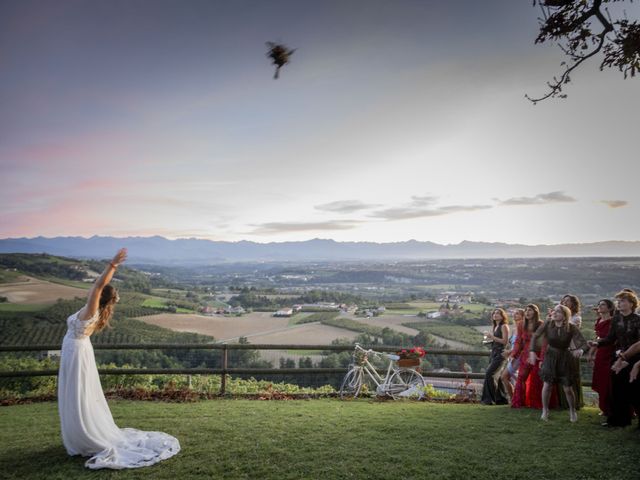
point(119, 257)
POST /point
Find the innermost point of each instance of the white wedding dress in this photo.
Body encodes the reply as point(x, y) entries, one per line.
point(87, 426)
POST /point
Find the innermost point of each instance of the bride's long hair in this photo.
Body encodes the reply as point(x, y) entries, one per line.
point(108, 299)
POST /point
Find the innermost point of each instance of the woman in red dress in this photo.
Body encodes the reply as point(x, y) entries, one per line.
point(528, 391)
point(602, 357)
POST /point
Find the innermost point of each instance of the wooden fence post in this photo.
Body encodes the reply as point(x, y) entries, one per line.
point(225, 365)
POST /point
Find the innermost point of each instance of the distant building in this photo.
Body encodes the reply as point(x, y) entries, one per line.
point(455, 297)
point(52, 354)
point(234, 310)
point(348, 308)
point(325, 306)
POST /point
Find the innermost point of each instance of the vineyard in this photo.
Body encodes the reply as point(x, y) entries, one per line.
point(48, 326)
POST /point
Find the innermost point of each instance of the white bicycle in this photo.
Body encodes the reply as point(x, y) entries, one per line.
point(399, 382)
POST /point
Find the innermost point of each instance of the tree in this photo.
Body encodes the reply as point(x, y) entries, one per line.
point(583, 29)
point(305, 362)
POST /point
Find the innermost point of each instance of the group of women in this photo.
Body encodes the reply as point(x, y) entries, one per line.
point(541, 354)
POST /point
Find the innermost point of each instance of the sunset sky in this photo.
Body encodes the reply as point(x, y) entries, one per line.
point(395, 120)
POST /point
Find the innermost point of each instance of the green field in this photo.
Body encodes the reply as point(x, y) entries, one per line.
point(298, 318)
point(413, 308)
point(154, 302)
point(8, 276)
point(306, 317)
point(458, 333)
point(161, 303)
point(22, 307)
point(332, 439)
point(69, 283)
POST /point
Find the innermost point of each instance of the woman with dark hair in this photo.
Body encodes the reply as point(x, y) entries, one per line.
point(557, 366)
point(624, 332)
point(86, 423)
point(528, 391)
point(493, 391)
point(572, 302)
point(602, 358)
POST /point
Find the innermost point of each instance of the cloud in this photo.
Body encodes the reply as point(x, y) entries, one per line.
point(405, 213)
point(615, 203)
point(418, 201)
point(540, 199)
point(345, 206)
point(287, 227)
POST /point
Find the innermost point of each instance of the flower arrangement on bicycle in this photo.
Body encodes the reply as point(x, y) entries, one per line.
point(359, 357)
point(411, 357)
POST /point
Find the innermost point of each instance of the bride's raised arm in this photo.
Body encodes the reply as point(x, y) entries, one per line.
point(93, 300)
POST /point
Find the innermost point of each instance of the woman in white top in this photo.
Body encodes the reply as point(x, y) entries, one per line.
point(86, 423)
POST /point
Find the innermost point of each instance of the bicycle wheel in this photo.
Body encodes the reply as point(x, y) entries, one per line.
point(406, 383)
point(351, 384)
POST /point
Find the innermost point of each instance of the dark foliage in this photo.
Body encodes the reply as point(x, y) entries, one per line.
point(583, 29)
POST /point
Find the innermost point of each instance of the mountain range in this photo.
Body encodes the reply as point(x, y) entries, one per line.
point(160, 250)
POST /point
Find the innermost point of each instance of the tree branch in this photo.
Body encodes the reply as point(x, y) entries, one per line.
point(555, 87)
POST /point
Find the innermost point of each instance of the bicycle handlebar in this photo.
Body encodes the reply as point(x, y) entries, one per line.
point(390, 356)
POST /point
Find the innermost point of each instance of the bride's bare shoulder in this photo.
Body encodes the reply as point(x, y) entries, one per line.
point(83, 314)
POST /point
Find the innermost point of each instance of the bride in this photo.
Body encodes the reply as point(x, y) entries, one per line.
point(87, 426)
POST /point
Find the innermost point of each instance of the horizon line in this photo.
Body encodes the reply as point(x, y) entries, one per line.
point(320, 239)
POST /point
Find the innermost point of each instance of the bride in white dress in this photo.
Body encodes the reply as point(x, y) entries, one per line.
point(87, 426)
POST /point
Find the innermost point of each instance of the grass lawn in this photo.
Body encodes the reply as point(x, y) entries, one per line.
point(331, 439)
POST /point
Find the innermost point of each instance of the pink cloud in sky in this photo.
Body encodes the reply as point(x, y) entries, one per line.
point(77, 150)
point(68, 217)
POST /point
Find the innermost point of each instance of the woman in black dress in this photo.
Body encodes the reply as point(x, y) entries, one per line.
point(557, 366)
point(623, 333)
point(493, 391)
point(573, 303)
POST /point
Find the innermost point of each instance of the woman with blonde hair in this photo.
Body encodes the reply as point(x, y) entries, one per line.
point(510, 371)
point(86, 423)
point(493, 391)
point(557, 366)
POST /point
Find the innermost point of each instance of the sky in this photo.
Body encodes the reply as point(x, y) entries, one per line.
point(395, 120)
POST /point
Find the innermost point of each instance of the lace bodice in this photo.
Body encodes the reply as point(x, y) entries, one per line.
point(77, 327)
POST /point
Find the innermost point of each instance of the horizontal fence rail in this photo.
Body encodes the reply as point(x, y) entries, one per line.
point(226, 370)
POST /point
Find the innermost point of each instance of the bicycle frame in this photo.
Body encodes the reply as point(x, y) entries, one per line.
point(371, 371)
point(396, 381)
